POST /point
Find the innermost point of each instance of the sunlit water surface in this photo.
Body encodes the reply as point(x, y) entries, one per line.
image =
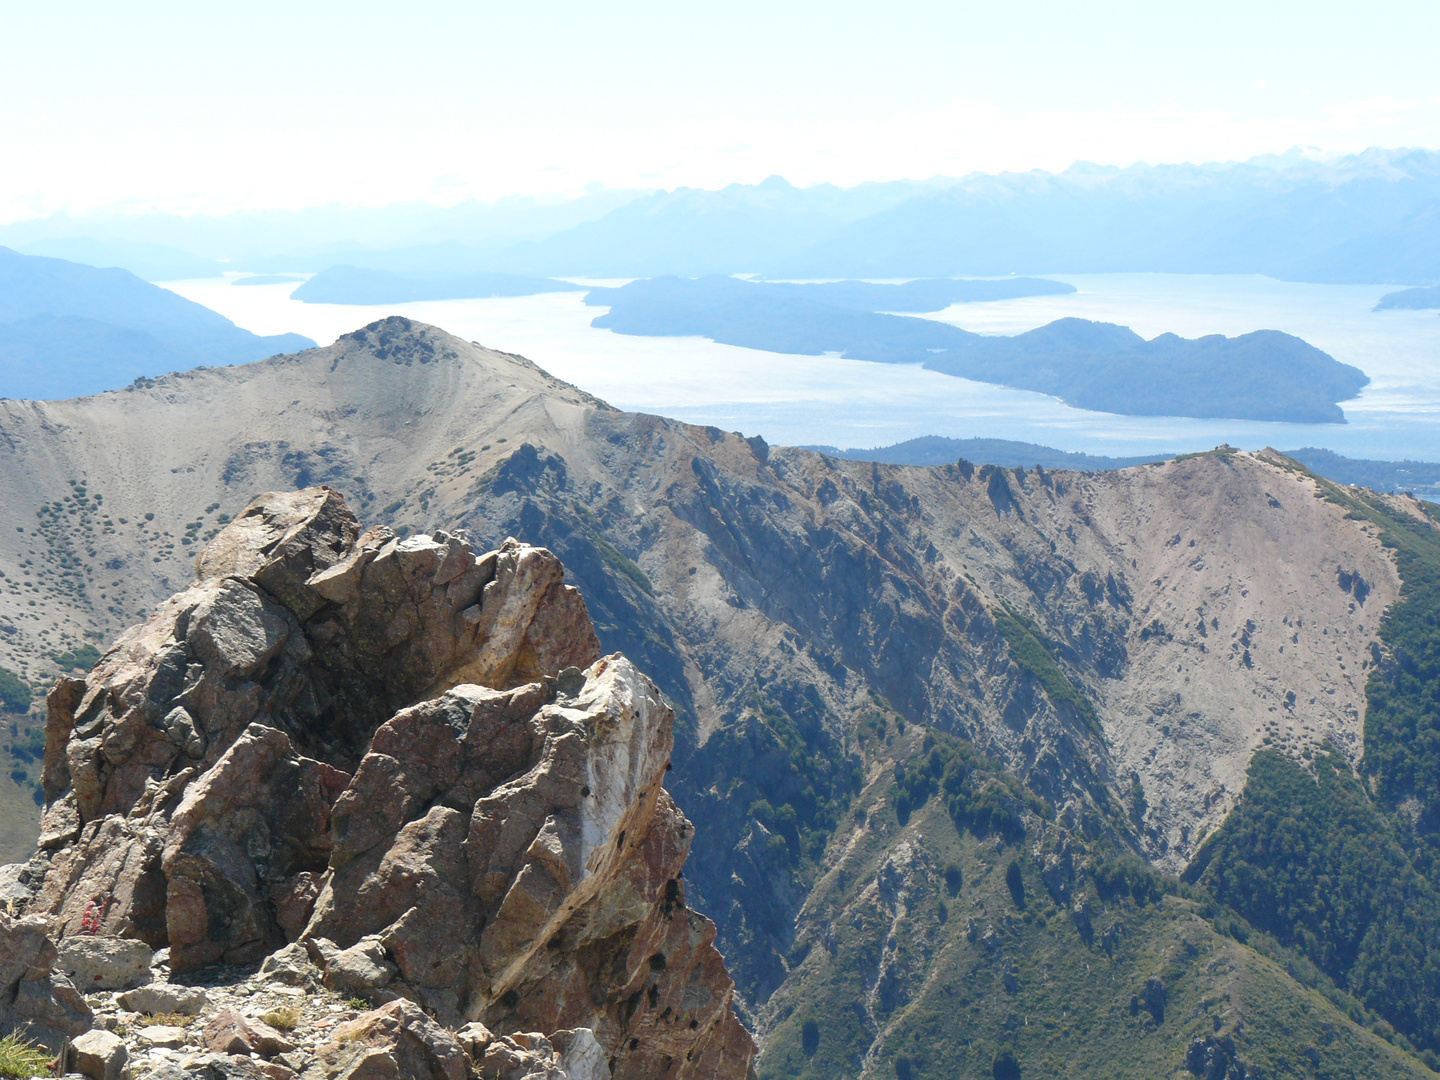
point(849, 403)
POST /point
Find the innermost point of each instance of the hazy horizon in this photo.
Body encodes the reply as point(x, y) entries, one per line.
point(1290, 156)
point(188, 110)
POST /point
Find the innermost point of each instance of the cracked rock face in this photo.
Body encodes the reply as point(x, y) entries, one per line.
point(408, 757)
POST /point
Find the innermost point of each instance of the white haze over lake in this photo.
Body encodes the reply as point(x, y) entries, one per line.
point(849, 403)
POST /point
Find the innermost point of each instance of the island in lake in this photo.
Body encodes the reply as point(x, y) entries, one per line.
point(1423, 298)
point(1264, 375)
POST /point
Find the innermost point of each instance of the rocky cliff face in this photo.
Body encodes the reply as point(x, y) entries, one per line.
point(409, 757)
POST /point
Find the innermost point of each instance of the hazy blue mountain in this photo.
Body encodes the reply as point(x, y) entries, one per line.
point(1406, 252)
point(67, 330)
point(153, 262)
point(1266, 375)
point(738, 229)
point(312, 239)
point(1365, 218)
point(1422, 298)
point(1369, 217)
point(357, 285)
point(53, 357)
point(1006, 453)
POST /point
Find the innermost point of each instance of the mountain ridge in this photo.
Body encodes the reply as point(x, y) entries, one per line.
point(826, 630)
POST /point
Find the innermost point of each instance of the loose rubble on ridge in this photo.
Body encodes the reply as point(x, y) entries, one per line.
point(380, 809)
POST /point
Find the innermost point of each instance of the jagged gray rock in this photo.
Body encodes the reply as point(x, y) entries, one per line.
point(101, 962)
point(161, 997)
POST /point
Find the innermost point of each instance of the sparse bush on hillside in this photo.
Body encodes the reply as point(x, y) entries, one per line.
point(810, 1037)
point(81, 659)
point(978, 794)
point(1034, 655)
point(15, 693)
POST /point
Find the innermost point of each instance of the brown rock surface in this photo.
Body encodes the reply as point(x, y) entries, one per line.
point(45, 1006)
point(396, 1040)
point(231, 1032)
point(388, 748)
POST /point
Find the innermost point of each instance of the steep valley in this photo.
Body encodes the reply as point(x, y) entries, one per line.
point(946, 733)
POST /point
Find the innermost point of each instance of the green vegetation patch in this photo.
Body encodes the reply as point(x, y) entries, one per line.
point(943, 986)
point(22, 1058)
point(622, 565)
point(81, 659)
point(1309, 858)
point(1224, 451)
point(15, 693)
point(772, 787)
point(1030, 650)
point(610, 554)
point(977, 793)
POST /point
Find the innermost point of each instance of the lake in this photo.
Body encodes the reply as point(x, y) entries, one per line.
point(808, 400)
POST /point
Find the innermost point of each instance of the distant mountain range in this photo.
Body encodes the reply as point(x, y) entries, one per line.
point(1006, 453)
point(739, 229)
point(153, 262)
point(1421, 478)
point(404, 236)
point(1369, 217)
point(1265, 375)
point(67, 330)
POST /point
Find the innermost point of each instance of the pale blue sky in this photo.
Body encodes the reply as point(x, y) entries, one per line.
point(203, 106)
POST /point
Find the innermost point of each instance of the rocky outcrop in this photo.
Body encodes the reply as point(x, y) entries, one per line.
point(35, 999)
point(411, 758)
